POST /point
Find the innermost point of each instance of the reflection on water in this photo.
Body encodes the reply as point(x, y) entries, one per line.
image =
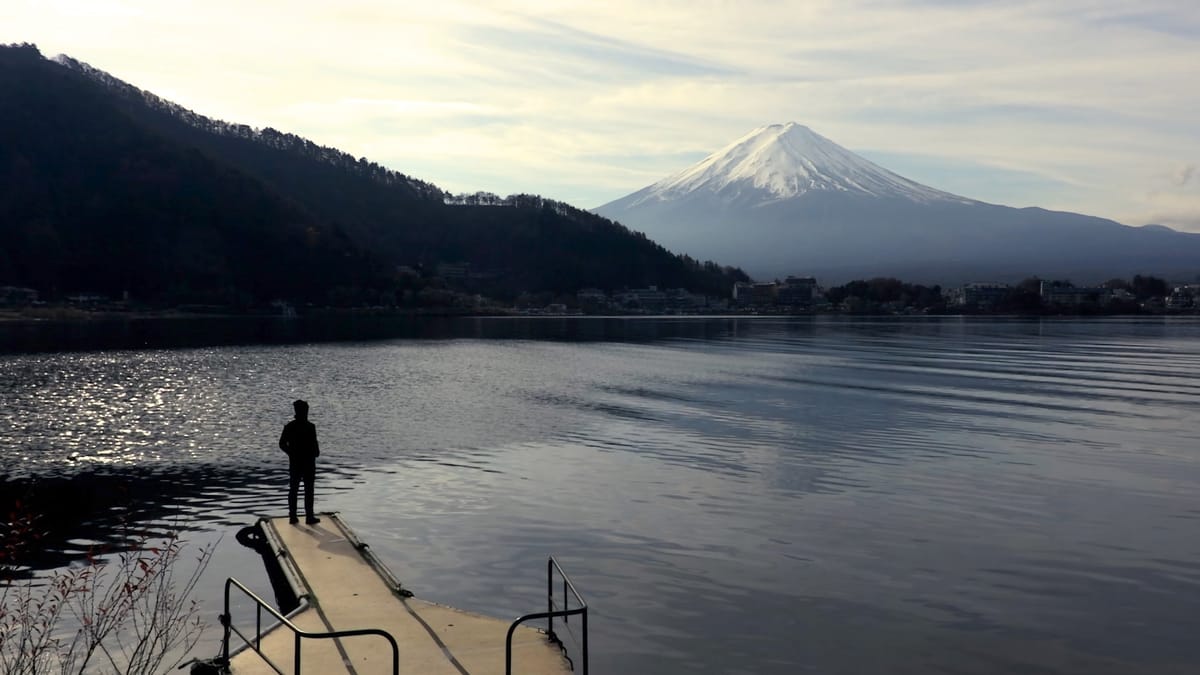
point(200, 331)
point(732, 495)
point(112, 508)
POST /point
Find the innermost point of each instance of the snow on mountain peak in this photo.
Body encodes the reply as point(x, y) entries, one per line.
point(781, 161)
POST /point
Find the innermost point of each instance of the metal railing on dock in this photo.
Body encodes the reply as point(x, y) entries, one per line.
point(552, 613)
point(299, 635)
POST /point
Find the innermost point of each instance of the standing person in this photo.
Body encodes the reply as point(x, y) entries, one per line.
point(299, 441)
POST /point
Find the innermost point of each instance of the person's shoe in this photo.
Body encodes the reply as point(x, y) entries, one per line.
point(312, 520)
point(293, 520)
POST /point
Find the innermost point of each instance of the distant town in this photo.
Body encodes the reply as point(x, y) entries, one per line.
point(446, 292)
point(804, 295)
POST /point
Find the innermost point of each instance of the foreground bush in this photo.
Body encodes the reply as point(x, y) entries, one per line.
point(125, 612)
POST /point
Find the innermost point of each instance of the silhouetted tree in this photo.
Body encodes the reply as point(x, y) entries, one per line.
point(1144, 287)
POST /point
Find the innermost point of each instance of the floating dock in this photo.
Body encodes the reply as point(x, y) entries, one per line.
point(354, 617)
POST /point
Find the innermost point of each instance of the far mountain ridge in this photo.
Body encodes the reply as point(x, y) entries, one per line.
point(785, 200)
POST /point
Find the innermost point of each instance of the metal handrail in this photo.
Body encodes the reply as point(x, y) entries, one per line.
point(551, 614)
point(256, 644)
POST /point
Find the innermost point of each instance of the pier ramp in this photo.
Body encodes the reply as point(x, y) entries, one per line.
point(355, 618)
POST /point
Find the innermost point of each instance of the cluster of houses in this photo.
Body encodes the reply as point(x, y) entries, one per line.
point(18, 296)
point(986, 296)
point(651, 299)
point(1182, 297)
point(805, 294)
point(794, 292)
point(791, 294)
point(15, 296)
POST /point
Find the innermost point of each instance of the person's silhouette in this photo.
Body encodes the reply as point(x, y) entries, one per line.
point(299, 441)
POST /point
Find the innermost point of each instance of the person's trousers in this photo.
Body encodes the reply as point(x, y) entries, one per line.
point(301, 473)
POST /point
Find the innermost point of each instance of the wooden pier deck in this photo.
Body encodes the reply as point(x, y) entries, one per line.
point(342, 588)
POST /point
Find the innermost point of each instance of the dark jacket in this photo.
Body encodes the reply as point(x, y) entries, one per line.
point(299, 441)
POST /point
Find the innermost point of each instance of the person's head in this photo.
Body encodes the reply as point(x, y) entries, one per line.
point(301, 409)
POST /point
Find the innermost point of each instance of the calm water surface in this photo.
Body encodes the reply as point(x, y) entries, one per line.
point(732, 496)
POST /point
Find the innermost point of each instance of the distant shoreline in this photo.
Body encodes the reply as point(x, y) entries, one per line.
point(75, 315)
point(102, 332)
point(82, 315)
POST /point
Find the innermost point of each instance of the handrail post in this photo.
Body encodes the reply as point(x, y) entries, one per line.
point(227, 620)
point(550, 595)
point(550, 614)
point(585, 646)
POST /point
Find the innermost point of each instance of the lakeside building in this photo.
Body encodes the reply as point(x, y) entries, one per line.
point(792, 292)
point(455, 270)
point(649, 299)
point(798, 291)
point(1181, 297)
point(743, 292)
point(756, 294)
point(87, 299)
point(1074, 296)
point(764, 293)
point(1122, 295)
point(284, 308)
point(17, 296)
point(591, 297)
point(681, 299)
point(981, 295)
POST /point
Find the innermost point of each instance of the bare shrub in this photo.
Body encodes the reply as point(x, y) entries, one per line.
point(125, 612)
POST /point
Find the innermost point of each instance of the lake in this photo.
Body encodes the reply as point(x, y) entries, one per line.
point(731, 495)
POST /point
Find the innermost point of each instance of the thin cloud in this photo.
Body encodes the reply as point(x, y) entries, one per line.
point(1185, 175)
point(568, 49)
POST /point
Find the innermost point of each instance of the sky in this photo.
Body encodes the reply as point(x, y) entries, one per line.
point(1090, 106)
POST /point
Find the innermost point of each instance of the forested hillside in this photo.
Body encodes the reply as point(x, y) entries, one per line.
point(107, 188)
point(92, 202)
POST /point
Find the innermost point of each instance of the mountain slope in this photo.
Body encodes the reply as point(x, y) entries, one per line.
point(68, 164)
point(785, 200)
point(355, 193)
point(89, 201)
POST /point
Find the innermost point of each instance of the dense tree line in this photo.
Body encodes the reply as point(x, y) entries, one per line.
point(885, 290)
point(1025, 297)
point(1142, 287)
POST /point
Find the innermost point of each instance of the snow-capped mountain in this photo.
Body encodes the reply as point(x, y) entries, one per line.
point(782, 161)
point(785, 200)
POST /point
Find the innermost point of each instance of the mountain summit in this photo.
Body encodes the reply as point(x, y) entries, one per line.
point(785, 200)
point(782, 161)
